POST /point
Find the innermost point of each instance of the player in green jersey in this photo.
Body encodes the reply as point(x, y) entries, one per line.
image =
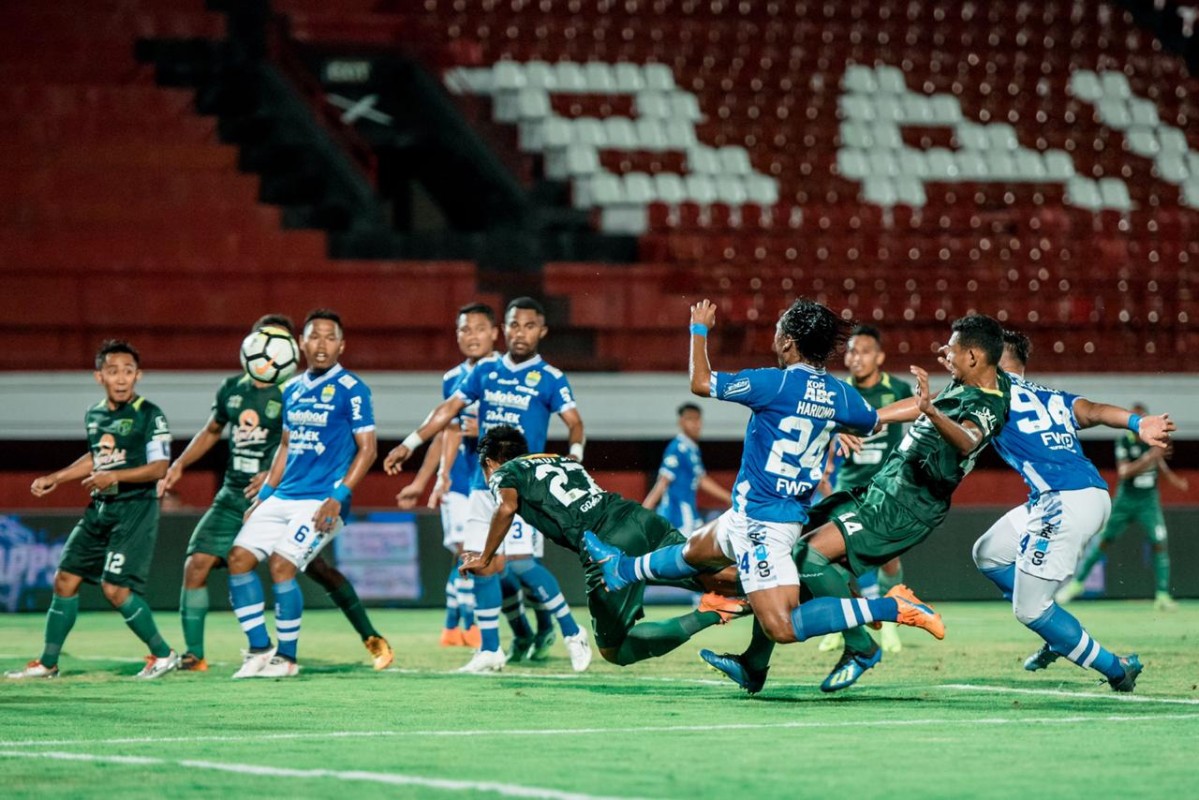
point(1138, 466)
point(113, 543)
point(253, 412)
point(864, 357)
point(556, 496)
point(904, 502)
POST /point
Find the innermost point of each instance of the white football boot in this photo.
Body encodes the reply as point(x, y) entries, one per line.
point(580, 650)
point(157, 667)
point(485, 661)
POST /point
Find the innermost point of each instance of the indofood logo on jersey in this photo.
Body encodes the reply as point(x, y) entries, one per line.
point(297, 417)
point(27, 564)
point(509, 399)
point(247, 431)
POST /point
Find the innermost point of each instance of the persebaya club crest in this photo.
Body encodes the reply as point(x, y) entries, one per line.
point(273, 407)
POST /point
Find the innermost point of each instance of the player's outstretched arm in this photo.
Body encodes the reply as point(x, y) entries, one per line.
point(329, 512)
point(451, 439)
point(703, 319)
point(201, 443)
point(80, 468)
point(654, 497)
point(574, 427)
point(501, 521)
point(1152, 429)
point(1173, 477)
point(905, 410)
point(964, 436)
point(411, 493)
point(435, 422)
point(273, 475)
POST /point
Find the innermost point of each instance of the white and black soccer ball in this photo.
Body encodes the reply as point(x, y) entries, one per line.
point(270, 355)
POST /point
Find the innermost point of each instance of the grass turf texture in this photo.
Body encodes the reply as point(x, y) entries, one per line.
point(937, 720)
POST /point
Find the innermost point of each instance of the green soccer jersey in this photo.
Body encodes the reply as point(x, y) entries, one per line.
point(924, 470)
point(1144, 486)
point(256, 418)
point(133, 435)
point(557, 496)
point(860, 467)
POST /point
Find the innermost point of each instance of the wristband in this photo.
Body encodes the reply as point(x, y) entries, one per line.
point(412, 441)
point(341, 494)
point(266, 491)
point(1134, 423)
point(576, 451)
point(699, 329)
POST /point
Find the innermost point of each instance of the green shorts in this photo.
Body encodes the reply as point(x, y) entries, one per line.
point(216, 530)
point(875, 527)
point(636, 531)
point(1145, 510)
point(113, 543)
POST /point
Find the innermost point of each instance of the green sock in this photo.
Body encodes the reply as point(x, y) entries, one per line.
point(888, 582)
point(193, 608)
point(1161, 570)
point(757, 656)
point(347, 600)
point(59, 621)
point(140, 620)
point(652, 639)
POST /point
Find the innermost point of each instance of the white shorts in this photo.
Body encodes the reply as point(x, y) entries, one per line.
point(454, 506)
point(284, 527)
point(522, 538)
point(1047, 540)
point(761, 550)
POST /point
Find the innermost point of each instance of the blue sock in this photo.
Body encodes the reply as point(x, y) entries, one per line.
point(542, 584)
point(868, 584)
point(488, 599)
point(465, 587)
point(249, 604)
point(514, 605)
point(1066, 637)
point(452, 615)
point(834, 614)
point(1003, 577)
point(289, 607)
point(667, 564)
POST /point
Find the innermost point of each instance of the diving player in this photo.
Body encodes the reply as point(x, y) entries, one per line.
point(327, 447)
point(1034, 548)
point(113, 544)
point(520, 390)
point(682, 473)
point(253, 411)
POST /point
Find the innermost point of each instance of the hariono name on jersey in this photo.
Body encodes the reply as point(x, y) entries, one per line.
point(321, 416)
point(468, 448)
point(795, 413)
point(683, 465)
point(1040, 440)
point(523, 396)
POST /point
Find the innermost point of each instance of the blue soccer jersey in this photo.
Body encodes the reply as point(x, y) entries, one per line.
point(468, 449)
point(795, 413)
point(321, 416)
point(681, 463)
point(1040, 440)
point(522, 395)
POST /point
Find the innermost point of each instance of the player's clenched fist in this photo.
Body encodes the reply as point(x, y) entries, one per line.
point(395, 459)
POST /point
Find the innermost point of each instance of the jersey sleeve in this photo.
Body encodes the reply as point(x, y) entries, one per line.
point(855, 412)
point(362, 408)
point(470, 389)
point(986, 411)
point(749, 387)
point(158, 436)
point(220, 405)
point(670, 462)
point(562, 397)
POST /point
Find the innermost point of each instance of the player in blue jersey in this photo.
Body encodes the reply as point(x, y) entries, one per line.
point(682, 474)
point(522, 391)
point(451, 455)
point(796, 409)
point(327, 447)
point(1035, 548)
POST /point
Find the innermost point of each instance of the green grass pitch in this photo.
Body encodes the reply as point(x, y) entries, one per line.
point(953, 719)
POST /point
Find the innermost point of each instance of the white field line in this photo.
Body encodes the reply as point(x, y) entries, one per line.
point(508, 732)
point(305, 775)
point(1121, 698)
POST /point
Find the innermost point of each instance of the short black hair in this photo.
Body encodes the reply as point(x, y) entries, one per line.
point(527, 303)
point(815, 329)
point(109, 346)
point(324, 313)
point(982, 332)
point(1019, 345)
point(478, 308)
point(502, 444)
point(685, 407)
point(275, 321)
point(868, 330)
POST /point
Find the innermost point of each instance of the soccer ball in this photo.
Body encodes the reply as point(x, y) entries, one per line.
point(270, 355)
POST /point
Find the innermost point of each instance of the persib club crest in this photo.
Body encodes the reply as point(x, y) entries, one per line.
point(273, 407)
point(533, 378)
point(327, 393)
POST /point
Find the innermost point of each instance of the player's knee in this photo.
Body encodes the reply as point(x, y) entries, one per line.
point(195, 572)
point(779, 629)
point(241, 560)
point(66, 584)
point(1029, 610)
point(979, 553)
point(281, 569)
point(325, 574)
point(115, 595)
point(611, 655)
